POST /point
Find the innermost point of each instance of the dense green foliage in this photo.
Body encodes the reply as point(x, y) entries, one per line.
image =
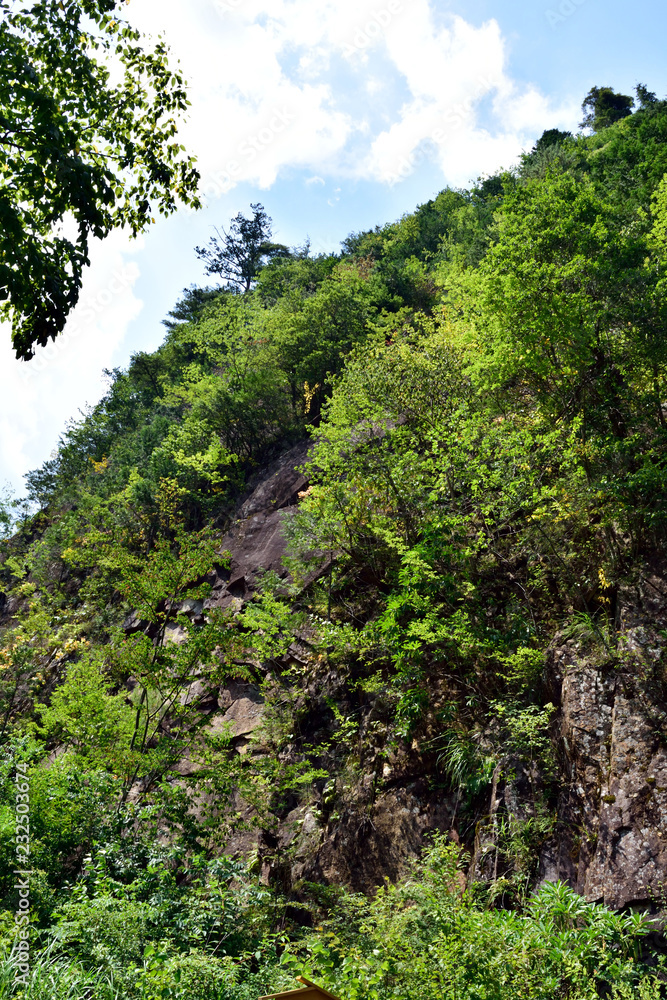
point(604, 107)
point(485, 384)
point(75, 148)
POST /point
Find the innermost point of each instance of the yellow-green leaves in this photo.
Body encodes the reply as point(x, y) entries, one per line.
point(659, 230)
point(85, 716)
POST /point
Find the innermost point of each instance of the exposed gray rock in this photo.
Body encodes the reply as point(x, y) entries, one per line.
point(256, 545)
point(175, 633)
point(374, 837)
point(255, 541)
point(244, 709)
point(193, 609)
point(611, 839)
point(630, 861)
point(201, 693)
point(280, 484)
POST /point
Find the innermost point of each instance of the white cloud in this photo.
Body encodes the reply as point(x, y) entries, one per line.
point(292, 83)
point(448, 73)
point(251, 116)
point(41, 395)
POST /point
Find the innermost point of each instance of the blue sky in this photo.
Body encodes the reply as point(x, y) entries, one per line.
point(323, 110)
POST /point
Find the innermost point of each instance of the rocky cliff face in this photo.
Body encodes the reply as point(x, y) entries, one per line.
point(360, 826)
point(255, 540)
point(355, 829)
point(611, 840)
point(610, 835)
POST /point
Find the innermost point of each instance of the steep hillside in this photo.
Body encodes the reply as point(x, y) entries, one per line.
point(334, 639)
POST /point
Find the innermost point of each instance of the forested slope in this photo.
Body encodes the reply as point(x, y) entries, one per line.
point(334, 639)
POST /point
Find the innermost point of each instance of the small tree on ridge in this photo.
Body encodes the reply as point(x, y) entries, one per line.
point(239, 255)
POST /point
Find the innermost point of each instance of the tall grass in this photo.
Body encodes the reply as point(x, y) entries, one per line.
point(53, 977)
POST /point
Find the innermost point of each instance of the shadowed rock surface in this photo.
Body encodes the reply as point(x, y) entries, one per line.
point(611, 841)
point(255, 541)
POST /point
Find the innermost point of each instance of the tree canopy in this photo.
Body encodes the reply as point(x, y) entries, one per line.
point(79, 155)
point(602, 106)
